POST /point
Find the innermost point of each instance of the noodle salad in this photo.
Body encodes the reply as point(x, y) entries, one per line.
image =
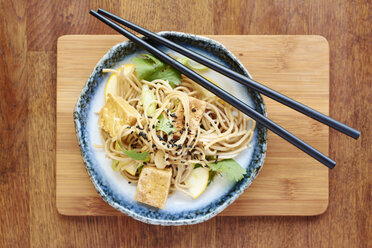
point(165, 133)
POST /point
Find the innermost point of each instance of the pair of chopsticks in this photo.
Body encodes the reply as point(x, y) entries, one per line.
point(105, 17)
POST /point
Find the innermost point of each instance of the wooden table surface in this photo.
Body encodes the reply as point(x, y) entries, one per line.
point(28, 35)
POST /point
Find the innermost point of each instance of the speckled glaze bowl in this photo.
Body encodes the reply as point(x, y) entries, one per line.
point(114, 189)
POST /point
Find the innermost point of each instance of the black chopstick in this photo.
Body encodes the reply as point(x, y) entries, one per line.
point(238, 77)
point(221, 93)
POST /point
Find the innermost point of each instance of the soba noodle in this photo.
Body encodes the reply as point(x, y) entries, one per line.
point(223, 131)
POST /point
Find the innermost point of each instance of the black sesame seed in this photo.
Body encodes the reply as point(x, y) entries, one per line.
point(176, 168)
point(183, 129)
point(153, 146)
point(168, 146)
point(187, 124)
point(193, 110)
point(167, 159)
point(153, 126)
point(183, 122)
point(131, 132)
point(129, 182)
point(182, 162)
point(128, 126)
point(144, 163)
point(150, 117)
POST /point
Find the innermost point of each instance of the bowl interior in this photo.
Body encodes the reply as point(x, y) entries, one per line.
point(115, 190)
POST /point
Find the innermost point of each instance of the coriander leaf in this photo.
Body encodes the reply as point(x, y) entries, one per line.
point(230, 168)
point(197, 166)
point(165, 125)
point(212, 174)
point(169, 74)
point(144, 67)
point(144, 156)
point(158, 63)
point(150, 68)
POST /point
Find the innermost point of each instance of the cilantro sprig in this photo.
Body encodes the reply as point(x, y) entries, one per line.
point(230, 168)
point(165, 125)
point(150, 68)
point(143, 156)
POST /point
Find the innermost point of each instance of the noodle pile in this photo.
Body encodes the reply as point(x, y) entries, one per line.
point(223, 131)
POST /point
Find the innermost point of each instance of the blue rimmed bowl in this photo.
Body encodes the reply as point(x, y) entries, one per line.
point(115, 190)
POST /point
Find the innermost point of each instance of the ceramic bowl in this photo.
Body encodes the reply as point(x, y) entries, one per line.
point(115, 190)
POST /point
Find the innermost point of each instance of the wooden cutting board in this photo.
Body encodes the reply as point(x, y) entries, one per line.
point(290, 183)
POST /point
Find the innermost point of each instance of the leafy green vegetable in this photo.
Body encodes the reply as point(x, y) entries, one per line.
point(197, 166)
point(212, 174)
point(147, 98)
point(150, 68)
point(165, 125)
point(170, 74)
point(230, 168)
point(143, 156)
point(139, 169)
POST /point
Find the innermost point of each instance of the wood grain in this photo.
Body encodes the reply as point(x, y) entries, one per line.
point(291, 183)
point(28, 35)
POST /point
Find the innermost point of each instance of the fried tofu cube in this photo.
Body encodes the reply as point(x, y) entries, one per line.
point(115, 114)
point(197, 108)
point(153, 186)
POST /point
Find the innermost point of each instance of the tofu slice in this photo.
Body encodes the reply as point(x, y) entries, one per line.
point(116, 113)
point(197, 108)
point(153, 186)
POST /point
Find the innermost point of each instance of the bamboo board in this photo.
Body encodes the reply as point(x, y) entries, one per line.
point(290, 183)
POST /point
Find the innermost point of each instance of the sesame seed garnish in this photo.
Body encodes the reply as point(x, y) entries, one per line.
point(153, 126)
point(193, 110)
